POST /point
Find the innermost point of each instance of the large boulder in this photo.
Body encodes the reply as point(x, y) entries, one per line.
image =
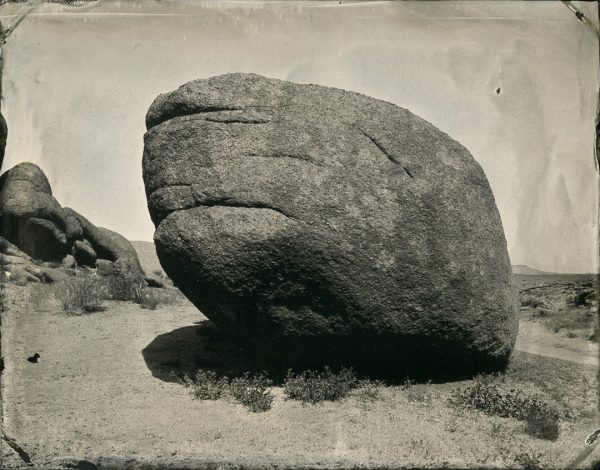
point(29, 215)
point(328, 226)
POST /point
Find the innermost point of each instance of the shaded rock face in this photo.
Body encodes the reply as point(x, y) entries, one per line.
point(3, 136)
point(83, 253)
point(329, 226)
point(33, 220)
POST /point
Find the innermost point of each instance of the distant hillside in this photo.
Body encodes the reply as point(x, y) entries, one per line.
point(147, 254)
point(524, 269)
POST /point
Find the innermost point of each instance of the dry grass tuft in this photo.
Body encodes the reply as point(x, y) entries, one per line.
point(83, 293)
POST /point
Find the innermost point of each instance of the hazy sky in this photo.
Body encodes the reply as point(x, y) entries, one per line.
point(78, 83)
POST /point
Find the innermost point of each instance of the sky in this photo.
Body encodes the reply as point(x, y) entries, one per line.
point(78, 82)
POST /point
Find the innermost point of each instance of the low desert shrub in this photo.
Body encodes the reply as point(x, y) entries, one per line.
point(407, 384)
point(314, 387)
point(486, 395)
point(252, 391)
point(368, 391)
point(155, 297)
point(529, 300)
point(84, 293)
point(139, 293)
point(542, 422)
point(573, 320)
point(122, 285)
point(168, 295)
point(582, 298)
point(206, 385)
point(595, 334)
point(527, 461)
point(419, 392)
point(151, 301)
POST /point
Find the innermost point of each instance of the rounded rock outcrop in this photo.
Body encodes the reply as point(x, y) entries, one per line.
point(29, 215)
point(328, 226)
point(33, 220)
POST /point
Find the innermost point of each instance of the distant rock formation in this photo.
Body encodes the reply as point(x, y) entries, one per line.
point(36, 226)
point(328, 226)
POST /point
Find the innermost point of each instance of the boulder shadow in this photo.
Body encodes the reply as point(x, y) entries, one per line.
point(171, 356)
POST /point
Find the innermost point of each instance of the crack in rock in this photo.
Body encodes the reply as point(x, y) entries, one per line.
point(382, 149)
point(226, 120)
point(182, 111)
point(227, 202)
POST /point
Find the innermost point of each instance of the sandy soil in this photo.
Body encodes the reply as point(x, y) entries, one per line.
point(534, 338)
point(102, 392)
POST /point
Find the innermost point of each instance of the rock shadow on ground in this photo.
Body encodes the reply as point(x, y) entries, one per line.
point(170, 356)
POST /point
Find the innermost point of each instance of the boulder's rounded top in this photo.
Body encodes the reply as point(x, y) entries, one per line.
point(30, 173)
point(226, 92)
point(243, 92)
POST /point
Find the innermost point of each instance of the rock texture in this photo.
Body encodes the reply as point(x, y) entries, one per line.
point(35, 224)
point(328, 225)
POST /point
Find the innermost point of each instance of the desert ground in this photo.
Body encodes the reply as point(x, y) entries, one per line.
point(106, 392)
